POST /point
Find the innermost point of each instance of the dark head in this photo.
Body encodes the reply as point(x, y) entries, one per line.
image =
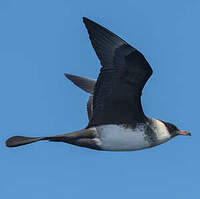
point(174, 131)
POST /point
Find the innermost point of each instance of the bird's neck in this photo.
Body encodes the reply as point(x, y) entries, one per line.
point(160, 130)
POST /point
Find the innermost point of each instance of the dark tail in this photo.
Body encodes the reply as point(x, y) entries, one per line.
point(80, 138)
point(21, 140)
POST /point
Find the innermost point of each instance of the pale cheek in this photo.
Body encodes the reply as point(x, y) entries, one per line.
point(161, 131)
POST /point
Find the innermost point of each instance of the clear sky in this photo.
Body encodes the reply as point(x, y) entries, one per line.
point(42, 39)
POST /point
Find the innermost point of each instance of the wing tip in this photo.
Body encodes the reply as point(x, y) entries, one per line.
point(85, 19)
point(89, 22)
point(67, 75)
point(85, 84)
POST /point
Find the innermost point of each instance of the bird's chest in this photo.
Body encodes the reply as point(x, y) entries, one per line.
point(121, 138)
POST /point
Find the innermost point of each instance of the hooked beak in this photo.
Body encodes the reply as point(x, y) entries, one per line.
point(184, 133)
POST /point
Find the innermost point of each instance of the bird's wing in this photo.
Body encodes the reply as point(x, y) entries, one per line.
point(84, 83)
point(88, 86)
point(122, 77)
point(90, 107)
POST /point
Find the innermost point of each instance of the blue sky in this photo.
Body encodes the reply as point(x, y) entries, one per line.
point(39, 41)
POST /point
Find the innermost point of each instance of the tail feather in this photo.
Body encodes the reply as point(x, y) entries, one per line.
point(21, 140)
point(75, 138)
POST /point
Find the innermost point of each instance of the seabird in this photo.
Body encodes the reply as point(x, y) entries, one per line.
point(116, 118)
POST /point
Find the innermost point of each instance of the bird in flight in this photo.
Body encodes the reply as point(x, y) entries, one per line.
point(116, 118)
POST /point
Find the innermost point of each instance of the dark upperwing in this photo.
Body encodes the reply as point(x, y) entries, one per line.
point(86, 84)
point(124, 72)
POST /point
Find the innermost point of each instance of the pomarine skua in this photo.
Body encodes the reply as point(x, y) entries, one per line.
point(116, 118)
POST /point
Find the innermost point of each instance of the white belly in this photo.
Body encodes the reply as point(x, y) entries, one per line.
point(118, 138)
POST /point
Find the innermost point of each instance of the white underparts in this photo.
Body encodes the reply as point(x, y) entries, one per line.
point(119, 138)
point(113, 137)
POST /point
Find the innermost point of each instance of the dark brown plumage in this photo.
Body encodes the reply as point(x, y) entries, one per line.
point(121, 80)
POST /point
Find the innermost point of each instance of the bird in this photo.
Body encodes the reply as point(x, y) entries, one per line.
point(116, 118)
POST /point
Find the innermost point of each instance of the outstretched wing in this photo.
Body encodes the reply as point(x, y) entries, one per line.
point(84, 83)
point(88, 86)
point(121, 80)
